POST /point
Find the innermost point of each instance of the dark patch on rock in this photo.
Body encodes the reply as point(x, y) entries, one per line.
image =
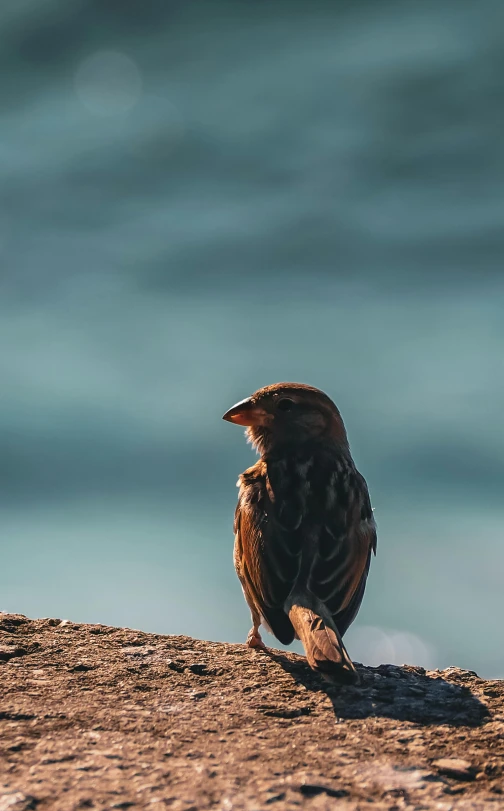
point(80, 668)
point(311, 790)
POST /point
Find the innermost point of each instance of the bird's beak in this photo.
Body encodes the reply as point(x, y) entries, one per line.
point(246, 412)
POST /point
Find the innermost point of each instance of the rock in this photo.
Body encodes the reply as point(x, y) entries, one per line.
point(16, 802)
point(100, 717)
point(456, 767)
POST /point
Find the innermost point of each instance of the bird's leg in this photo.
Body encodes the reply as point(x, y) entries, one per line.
point(254, 637)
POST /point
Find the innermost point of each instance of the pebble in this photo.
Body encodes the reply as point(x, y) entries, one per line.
point(455, 767)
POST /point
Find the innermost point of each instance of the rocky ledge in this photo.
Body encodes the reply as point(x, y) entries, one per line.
point(100, 717)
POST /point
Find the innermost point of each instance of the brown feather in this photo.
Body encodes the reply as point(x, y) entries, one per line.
point(323, 645)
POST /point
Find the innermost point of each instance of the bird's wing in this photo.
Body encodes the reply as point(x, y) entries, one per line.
point(277, 502)
point(267, 556)
point(346, 539)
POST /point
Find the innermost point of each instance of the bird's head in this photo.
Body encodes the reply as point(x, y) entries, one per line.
point(288, 414)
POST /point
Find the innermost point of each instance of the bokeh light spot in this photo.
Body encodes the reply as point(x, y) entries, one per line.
point(376, 646)
point(108, 83)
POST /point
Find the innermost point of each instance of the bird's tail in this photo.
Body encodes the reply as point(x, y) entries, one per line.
point(323, 645)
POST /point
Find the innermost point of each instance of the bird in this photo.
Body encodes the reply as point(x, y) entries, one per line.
point(304, 526)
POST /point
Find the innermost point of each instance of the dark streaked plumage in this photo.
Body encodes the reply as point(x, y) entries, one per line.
point(304, 527)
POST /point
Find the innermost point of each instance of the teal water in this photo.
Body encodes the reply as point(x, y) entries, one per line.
point(200, 199)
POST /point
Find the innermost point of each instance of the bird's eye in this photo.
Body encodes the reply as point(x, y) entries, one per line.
point(285, 404)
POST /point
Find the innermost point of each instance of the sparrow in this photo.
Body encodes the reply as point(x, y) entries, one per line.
point(304, 526)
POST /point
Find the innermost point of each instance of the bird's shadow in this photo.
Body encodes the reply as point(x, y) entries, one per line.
point(404, 693)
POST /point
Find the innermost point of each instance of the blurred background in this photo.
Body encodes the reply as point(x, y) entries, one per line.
point(198, 199)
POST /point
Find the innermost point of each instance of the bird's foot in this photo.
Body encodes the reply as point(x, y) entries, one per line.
point(254, 640)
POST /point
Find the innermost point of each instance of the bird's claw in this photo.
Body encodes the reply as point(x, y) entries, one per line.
point(254, 641)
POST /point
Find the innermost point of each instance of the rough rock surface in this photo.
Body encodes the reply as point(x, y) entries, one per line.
point(99, 717)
